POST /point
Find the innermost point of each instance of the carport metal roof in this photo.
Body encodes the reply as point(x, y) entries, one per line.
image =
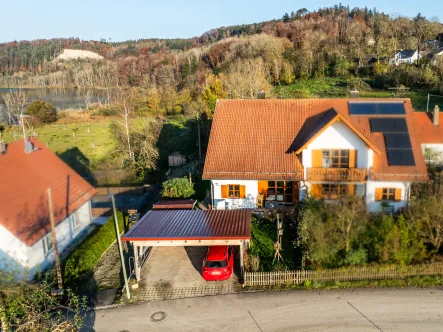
point(191, 228)
point(184, 204)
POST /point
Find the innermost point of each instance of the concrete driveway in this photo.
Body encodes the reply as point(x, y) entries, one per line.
point(178, 267)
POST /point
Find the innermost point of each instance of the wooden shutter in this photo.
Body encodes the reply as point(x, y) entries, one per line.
point(378, 194)
point(316, 190)
point(263, 187)
point(224, 191)
point(351, 189)
point(352, 158)
point(242, 191)
point(317, 159)
point(397, 194)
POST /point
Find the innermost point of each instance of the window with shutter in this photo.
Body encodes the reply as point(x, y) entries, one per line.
point(233, 191)
point(388, 194)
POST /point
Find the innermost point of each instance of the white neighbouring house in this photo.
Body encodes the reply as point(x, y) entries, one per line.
point(25, 233)
point(405, 56)
point(277, 152)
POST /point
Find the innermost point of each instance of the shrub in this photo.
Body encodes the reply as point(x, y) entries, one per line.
point(105, 111)
point(178, 188)
point(42, 111)
point(356, 257)
point(80, 264)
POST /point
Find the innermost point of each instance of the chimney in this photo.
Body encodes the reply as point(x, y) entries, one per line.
point(261, 95)
point(435, 115)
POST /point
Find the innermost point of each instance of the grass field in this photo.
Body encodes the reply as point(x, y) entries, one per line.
point(92, 144)
point(338, 88)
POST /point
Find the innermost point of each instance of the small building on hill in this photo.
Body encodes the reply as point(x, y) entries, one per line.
point(405, 56)
point(26, 245)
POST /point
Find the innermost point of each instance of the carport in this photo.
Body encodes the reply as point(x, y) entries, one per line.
point(166, 228)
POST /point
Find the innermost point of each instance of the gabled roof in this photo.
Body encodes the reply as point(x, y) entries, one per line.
point(24, 180)
point(258, 139)
point(404, 54)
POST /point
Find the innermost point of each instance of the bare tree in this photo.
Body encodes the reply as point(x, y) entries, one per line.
point(15, 101)
point(125, 112)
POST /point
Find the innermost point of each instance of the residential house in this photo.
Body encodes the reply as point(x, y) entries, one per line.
point(26, 245)
point(405, 56)
point(429, 129)
point(272, 152)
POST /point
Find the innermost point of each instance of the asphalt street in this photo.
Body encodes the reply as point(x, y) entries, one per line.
point(407, 309)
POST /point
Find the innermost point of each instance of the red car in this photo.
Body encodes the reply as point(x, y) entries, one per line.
point(219, 263)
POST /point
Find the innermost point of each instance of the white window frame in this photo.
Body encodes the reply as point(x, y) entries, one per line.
point(48, 246)
point(75, 221)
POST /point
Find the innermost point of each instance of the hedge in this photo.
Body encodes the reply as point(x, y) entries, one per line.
point(79, 265)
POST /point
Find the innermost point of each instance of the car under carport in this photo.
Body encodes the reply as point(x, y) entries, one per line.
point(175, 228)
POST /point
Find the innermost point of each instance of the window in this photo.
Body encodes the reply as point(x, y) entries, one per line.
point(334, 190)
point(335, 158)
point(75, 221)
point(280, 190)
point(47, 243)
point(233, 190)
point(388, 194)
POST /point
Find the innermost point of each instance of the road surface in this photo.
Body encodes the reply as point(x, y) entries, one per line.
point(408, 309)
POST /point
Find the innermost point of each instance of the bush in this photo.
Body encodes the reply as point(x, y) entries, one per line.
point(80, 264)
point(42, 111)
point(178, 188)
point(105, 111)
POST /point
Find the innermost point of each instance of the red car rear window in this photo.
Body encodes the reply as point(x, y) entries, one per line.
point(216, 264)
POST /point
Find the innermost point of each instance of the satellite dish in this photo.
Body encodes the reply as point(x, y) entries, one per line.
point(29, 147)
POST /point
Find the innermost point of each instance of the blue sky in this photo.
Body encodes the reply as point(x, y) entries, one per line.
point(135, 19)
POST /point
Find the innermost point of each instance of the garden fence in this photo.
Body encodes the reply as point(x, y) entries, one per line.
point(345, 274)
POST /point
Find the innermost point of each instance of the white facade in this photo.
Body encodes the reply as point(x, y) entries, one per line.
point(336, 136)
point(16, 256)
point(409, 60)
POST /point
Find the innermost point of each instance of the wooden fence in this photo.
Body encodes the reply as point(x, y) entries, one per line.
point(346, 274)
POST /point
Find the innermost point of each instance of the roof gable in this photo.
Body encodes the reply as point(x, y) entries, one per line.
point(24, 180)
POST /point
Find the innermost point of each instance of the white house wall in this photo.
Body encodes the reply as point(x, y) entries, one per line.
point(13, 252)
point(251, 192)
point(34, 259)
point(376, 206)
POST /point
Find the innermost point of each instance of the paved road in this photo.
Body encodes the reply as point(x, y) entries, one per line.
point(333, 310)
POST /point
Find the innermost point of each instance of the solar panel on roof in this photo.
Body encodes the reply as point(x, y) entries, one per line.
point(391, 108)
point(397, 141)
point(388, 125)
point(376, 108)
point(401, 157)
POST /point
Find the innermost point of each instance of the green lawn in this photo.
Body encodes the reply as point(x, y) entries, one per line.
point(76, 151)
point(329, 87)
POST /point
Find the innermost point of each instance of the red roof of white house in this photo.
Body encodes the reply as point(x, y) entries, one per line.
point(24, 180)
point(261, 139)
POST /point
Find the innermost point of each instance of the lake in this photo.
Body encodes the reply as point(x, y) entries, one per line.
point(61, 98)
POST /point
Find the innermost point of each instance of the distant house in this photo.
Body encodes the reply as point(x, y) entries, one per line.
point(405, 56)
point(429, 129)
point(25, 233)
point(266, 153)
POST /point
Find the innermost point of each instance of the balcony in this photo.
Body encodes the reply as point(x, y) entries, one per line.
point(318, 174)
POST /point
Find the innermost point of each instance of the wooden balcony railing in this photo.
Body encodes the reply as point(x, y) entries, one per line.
point(337, 174)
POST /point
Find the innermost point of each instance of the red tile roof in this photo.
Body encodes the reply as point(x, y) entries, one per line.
point(170, 225)
point(24, 180)
point(183, 204)
point(256, 139)
point(425, 129)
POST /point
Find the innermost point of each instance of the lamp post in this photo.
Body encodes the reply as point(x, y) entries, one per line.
point(119, 244)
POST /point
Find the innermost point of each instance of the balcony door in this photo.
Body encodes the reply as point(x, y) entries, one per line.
point(281, 190)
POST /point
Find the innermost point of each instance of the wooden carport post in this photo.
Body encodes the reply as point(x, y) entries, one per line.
point(136, 267)
point(242, 268)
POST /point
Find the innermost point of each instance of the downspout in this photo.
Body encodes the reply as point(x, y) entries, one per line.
point(212, 195)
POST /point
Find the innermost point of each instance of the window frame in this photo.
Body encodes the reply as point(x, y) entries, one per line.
point(48, 245)
point(330, 195)
point(341, 155)
point(385, 197)
point(287, 190)
point(234, 191)
point(75, 221)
